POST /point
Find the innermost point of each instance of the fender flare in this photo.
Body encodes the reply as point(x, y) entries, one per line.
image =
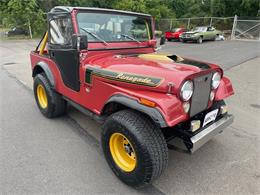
point(46, 70)
point(154, 113)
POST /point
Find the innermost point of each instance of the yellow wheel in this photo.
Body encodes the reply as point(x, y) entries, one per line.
point(122, 152)
point(48, 101)
point(42, 96)
point(134, 147)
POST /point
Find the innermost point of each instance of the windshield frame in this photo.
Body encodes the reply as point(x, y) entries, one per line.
point(147, 18)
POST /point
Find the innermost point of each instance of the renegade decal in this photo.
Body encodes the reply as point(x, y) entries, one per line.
point(121, 76)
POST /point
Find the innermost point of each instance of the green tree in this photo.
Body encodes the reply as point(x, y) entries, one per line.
point(156, 8)
point(130, 5)
point(22, 14)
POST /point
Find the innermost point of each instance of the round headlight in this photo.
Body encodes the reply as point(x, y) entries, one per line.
point(186, 90)
point(216, 80)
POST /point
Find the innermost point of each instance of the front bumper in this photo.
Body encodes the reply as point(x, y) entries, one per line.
point(183, 137)
point(172, 37)
point(209, 132)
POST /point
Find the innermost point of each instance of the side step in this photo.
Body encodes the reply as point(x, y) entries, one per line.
point(99, 119)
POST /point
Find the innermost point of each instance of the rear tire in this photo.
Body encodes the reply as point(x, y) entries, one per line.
point(48, 101)
point(146, 141)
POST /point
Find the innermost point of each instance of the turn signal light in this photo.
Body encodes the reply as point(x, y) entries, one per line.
point(212, 95)
point(194, 125)
point(223, 109)
point(147, 102)
point(186, 107)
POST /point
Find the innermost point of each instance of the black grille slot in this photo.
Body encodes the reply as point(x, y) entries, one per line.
point(200, 97)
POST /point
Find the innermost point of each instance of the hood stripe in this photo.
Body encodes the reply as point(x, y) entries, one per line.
point(122, 77)
point(175, 59)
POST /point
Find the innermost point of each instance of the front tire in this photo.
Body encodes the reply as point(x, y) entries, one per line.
point(200, 40)
point(216, 38)
point(134, 147)
point(48, 101)
point(182, 40)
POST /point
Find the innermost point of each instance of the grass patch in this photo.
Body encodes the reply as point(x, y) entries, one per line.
point(4, 29)
point(4, 37)
point(16, 37)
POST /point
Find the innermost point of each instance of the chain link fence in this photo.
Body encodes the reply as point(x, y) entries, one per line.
point(234, 28)
point(246, 29)
point(224, 24)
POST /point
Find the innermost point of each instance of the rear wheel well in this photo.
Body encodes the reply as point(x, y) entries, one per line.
point(43, 68)
point(37, 70)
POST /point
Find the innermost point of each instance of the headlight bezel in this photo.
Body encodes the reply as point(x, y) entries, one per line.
point(185, 85)
point(215, 81)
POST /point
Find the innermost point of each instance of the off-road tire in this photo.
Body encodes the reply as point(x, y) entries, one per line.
point(56, 105)
point(147, 140)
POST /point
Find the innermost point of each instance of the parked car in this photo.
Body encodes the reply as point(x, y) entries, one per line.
point(200, 34)
point(174, 34)
point(142, 99)
point(16, 31)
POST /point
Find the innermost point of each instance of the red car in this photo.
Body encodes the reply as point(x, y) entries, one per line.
point(103, 62)
point(174, 34)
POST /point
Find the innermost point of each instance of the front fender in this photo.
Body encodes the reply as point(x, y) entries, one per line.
point(154, 113)
point(224, 90)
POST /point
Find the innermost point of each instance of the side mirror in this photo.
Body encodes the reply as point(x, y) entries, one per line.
point(79, 42)
point(162, 40)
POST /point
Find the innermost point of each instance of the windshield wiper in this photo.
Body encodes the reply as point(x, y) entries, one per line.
point(95, 36)
point(129, 37)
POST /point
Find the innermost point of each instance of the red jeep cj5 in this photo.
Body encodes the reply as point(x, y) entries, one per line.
point(103, 62)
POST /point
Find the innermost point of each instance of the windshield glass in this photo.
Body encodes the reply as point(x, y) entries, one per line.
point(114, 27)
point(200, 29)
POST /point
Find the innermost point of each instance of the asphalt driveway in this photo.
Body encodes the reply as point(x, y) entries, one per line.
point(42, 156)
point(225, 53)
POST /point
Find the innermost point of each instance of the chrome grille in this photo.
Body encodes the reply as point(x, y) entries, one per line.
point(200, 97)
